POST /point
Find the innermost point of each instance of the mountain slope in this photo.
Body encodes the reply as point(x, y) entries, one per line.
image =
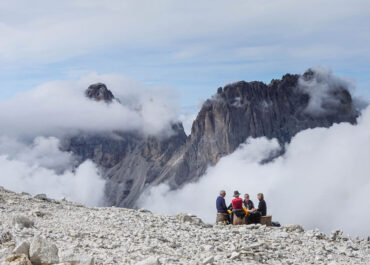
point(133, 162)
point(73, 234)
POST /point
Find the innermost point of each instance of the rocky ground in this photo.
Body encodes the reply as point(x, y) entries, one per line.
point(44, 231)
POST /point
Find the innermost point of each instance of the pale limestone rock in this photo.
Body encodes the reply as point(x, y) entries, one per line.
point(22, 221)
point(43, 252)
point(22, 248)
point(149, 261)
point(16, 259)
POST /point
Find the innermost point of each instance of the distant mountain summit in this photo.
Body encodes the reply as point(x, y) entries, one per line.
point(281, 109)
point(99, 92)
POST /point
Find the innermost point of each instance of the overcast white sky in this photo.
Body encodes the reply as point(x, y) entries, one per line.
point(191, 46)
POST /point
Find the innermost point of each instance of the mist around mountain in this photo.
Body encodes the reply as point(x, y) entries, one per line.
point(301, 140)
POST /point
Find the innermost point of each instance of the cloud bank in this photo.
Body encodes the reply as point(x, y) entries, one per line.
point(42, 168)
point(321, 181)
point(321, 88)
point(33, 122)
point(61, 107)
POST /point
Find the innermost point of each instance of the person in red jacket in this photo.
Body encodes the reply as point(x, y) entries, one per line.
point(237, 202)
point(237, 206)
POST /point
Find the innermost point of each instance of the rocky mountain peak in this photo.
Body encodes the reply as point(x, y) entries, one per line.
point(235, 113)
point(99, 92)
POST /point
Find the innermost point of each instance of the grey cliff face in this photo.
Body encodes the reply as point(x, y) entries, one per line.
point(236, 112)
point(99, 92)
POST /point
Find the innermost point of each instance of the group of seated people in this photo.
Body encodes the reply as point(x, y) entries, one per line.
point(241, 208)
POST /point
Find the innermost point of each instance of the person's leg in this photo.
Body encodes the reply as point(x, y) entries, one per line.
point(257, 217)
point(249, 218)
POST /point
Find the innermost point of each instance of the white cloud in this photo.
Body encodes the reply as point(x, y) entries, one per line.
point(61, 107)
point(187, 119)
point(43, 152)
point(42, 168)
point(32, 123)
point(321, 87)
point(321, 181)
point(47, 31)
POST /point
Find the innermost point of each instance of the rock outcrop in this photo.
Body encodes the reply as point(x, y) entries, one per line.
point(73, 234)
point(99, 92)
point(133, 162)
point(252, 109)
point(43, 252)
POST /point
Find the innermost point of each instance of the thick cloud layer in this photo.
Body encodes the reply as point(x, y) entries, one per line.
point(33, 122)
point(321, 181)
point(321, 87)
point(43, 168)
point(61, 107)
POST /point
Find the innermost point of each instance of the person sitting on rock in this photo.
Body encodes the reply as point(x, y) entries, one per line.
point(249, 205)
point(261, 210)
point(222, 212)
point(237, 206)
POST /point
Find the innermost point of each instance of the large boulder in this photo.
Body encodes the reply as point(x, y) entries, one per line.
point(43, 252)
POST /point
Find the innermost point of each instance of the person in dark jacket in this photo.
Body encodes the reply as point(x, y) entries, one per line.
point(220, 203)
point(222, 212)
point(262, 208)
point(248, 203)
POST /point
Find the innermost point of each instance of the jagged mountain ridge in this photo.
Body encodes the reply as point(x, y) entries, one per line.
point(133, 162)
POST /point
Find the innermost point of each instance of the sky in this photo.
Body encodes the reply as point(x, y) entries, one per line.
point(192, 47)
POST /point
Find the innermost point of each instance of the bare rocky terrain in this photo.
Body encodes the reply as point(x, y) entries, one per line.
point(38, 230)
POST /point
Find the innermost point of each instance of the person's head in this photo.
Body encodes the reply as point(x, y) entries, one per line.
point(236, 194)
point(246, 196)
point(260, 196)
point(222, 193)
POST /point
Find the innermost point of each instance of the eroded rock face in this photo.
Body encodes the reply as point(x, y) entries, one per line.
point(99, 92)
point(133, 162)
point(252, 109)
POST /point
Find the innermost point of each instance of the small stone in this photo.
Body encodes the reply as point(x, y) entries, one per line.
point(5, 237)
point(16, 259)
point(149, 261)
point(22, 221)
point(39, 213)
point(235, 255)
point(292, 228)
point(70, 257)
point(41, 196)
point(144, 211)
point(22, 248)
point(336, 234)
point(208, 260)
